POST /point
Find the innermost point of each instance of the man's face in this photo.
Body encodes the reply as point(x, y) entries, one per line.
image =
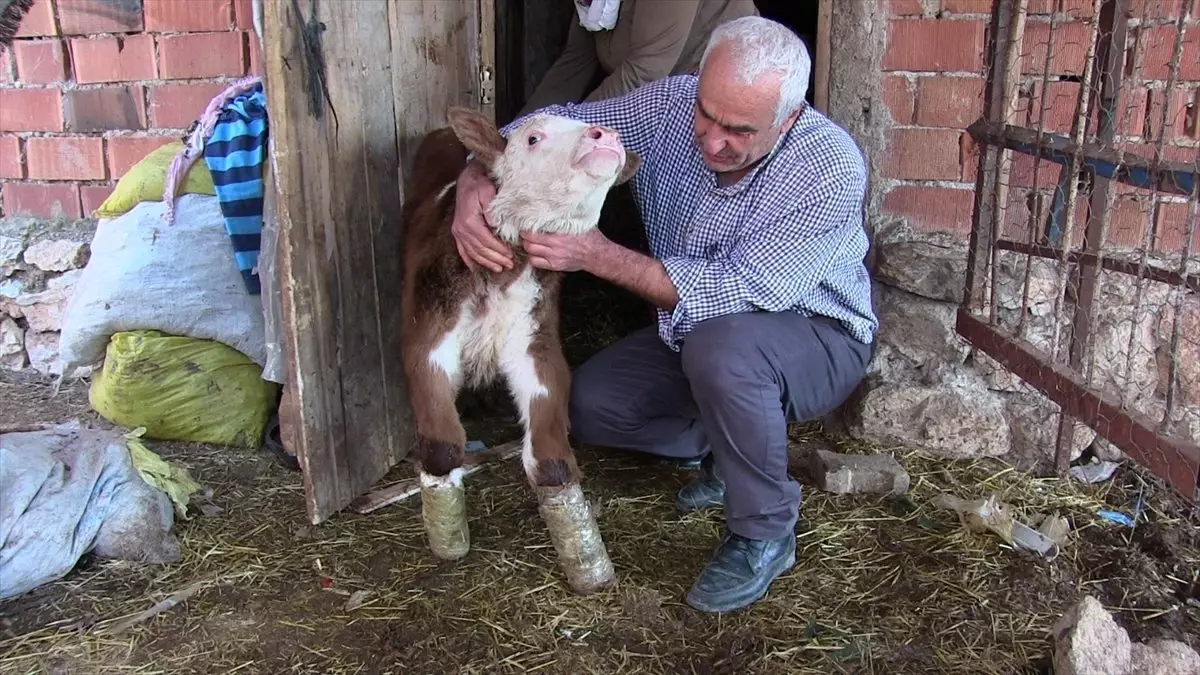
point(733, 121)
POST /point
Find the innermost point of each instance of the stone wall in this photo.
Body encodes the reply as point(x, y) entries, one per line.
point(40, 262)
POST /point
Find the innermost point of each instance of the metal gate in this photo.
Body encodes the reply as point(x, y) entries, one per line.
point(1083, 277)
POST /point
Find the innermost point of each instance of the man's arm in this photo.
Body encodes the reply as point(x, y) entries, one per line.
point(635, 272)
point(658, 33)
point(567, 80)
point(775, 265)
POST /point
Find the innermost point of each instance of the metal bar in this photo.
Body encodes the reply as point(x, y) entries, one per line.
point(1170, 457)
point(1176, 178)
point(1000, 89)
point(1169, 277)
point(1108, 69)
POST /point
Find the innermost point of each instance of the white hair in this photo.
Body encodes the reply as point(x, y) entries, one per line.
point(759, 45)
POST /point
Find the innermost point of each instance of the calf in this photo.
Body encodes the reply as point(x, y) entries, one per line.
point(466, 327)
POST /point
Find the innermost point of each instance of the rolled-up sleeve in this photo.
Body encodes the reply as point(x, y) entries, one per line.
point(773, 266)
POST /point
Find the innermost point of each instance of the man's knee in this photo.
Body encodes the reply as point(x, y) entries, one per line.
point(720, 350)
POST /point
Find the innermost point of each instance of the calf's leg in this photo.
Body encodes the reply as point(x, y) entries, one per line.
point(441, 441)
point(540, 382)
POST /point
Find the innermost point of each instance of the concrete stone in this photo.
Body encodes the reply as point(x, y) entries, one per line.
point(43, 311)
point(1033, 425)
point(42, 349)
point(954, 420)
point(10, 254)
point(933, 266)
point(11, 288)
point(854, 474)
point(57, 255)
point(1087, 641)
point(12, 345)
point(1163, 657)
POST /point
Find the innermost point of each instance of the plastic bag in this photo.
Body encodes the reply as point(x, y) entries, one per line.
point(144, 182)
point(183, 389)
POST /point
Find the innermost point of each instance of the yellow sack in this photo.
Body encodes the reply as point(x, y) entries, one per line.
point(183, 389)
point(144, 182)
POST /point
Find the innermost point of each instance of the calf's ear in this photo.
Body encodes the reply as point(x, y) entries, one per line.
point(478, 133)
point(632, 163)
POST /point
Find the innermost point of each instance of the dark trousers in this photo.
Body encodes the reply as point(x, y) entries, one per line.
point(734, 387)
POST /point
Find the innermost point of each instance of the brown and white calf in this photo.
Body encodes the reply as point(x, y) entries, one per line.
point(468, 328)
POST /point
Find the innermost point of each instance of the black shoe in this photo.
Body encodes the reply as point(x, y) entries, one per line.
point(705, 492)
point(740, 572)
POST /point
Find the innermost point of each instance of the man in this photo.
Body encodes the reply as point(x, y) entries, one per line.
point(752, 203)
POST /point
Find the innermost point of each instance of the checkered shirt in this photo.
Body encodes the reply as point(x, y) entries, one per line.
point(787, 237)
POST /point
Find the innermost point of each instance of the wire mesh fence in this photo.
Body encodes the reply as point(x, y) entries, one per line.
point(1084, 271)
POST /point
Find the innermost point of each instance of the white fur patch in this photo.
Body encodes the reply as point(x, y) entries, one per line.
point(446, 190)
point(454, 479)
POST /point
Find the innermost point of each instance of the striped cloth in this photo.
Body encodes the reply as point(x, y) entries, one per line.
point(235, 153)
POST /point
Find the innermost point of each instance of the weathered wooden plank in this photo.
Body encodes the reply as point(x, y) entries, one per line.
point(1177, 178)
point(333, 121)
point(822, 62)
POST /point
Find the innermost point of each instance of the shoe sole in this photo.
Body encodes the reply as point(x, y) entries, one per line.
point(684, 509)
point(732, 605)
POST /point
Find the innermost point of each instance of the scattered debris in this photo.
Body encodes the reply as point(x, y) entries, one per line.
point(1055, 528)
point(356, 600)
point(398, 492)
point(852, 474)
point(981, 515)
point(1096, 471)
point(1128, 520)
point(158, 608)
point(1087, 641)
point(170, 478)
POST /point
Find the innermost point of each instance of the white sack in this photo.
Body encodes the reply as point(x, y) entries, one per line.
point(68, 491)
point(180, 279)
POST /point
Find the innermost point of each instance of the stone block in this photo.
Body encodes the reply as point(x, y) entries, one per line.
point(1089, 642)
point(857, 474)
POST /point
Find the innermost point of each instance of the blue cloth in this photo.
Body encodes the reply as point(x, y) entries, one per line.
point(235, 153)
point(787, 237)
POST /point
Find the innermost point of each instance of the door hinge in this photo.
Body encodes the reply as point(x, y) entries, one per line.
point(487, 85)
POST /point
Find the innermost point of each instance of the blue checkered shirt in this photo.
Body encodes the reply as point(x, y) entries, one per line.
point(787, 237)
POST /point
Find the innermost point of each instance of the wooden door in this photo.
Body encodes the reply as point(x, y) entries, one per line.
point(353, 86)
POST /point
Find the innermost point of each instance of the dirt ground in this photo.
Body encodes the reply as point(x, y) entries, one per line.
point(881, 585)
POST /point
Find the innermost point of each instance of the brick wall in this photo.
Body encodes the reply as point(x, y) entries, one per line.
point(933, 86)
point(91, 86)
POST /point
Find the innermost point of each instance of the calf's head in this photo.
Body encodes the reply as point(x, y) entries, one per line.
point(552, 173)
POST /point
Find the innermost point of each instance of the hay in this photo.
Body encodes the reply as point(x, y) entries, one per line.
point(881, 584)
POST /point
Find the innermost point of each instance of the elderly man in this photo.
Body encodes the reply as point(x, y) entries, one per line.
point(752, 203)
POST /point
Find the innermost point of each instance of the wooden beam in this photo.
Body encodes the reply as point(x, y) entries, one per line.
point(821, 64)
point(334, 131)
point(1177, 178)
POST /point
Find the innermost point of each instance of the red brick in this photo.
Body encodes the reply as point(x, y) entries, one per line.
point(243, 14)
point(1158, 52)
point(1058, 110)
point(126, 151)
point(176, 106)
point(1127, 223)
point(92, 197)
point(933, 45)
point(40, 61)
point(953, 102)
point(1069, 50)
point(1156, 9)
point(255, 52)
point(88, 17)
point(41, 201)
point(169, 16)
point(1077, 9)
point(967, 6)
point(1020, 173)
point(30, 110)
point(11, 165)
point(936, 209)
point(924, 154)
point(39, 20)
point(903, 7)
point(1177, 122)
point(65, 158)
point(115, 59)
point(898, 95)
point(1172, 226)
point(105, 109)
point(201, 55)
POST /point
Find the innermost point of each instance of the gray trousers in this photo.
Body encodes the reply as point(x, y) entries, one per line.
point(736, 383)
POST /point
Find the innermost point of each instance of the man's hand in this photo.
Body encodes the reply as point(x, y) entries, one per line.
point(565, 252)
point(472, 227)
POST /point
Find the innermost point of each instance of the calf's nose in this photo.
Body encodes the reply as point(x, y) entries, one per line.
point(601, 134)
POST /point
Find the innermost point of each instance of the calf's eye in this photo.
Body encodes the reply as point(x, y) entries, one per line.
point(534, 138)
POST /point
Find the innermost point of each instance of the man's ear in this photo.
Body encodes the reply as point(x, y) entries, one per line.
point(478, 133)
point(632, 163)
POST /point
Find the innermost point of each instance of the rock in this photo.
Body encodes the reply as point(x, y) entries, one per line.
point(12, 345)
point(1189, 351)
point(43, 352)
point(934, 267)
point(1033, 426)
point(854, 474)
point(58, 255)
point(1163, 657)
point(10, 254)
point(1089, 642)
point(43, 311)
point(949, 420)
point(916, 336)
point(11, 288)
